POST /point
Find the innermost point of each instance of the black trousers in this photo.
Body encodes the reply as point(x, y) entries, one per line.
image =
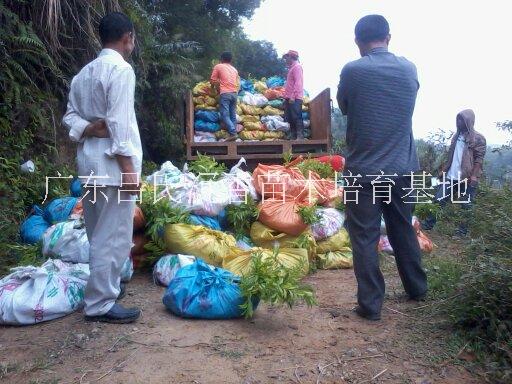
point(293, 114)
point(363, 221)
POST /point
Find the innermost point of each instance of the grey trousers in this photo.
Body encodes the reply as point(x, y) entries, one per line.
point(363, 221)
point(109, 226)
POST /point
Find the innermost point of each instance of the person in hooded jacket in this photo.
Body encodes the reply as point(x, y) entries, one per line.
point(461, 173)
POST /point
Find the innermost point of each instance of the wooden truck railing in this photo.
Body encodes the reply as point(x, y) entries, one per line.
point(266, 151)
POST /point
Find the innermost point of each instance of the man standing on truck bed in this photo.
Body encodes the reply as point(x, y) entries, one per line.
point(293, 94)
point(378, 94)
point(225, 79)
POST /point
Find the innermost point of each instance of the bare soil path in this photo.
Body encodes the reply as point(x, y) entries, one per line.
point(324, 344)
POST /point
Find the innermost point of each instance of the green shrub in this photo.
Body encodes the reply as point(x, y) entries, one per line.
point(425, 210)
point(481, 309)
point(19, 192)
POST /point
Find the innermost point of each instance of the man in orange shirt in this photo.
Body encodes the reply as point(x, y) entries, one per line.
point(225, 79)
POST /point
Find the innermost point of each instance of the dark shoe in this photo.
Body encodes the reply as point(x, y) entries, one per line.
point(418, 298)
point(232, 137)
point(365, 315)
point(300, 136)
point(117, 315)
point(122, 291)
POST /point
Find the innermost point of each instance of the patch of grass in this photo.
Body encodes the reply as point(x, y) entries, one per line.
point(7, 368)
point(220, 347)
point(45, 381)
point(40, 363)
point(443, 274)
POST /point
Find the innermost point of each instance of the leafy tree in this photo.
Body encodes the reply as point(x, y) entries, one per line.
point(256, 59)
point(43, 44)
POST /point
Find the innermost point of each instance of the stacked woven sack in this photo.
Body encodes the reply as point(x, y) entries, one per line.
point(285, 191)
point(206, 115)
point(260, 112)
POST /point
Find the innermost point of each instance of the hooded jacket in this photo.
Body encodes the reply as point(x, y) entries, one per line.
point(474, 149)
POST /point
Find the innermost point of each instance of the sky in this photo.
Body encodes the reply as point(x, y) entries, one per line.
point(462, 51)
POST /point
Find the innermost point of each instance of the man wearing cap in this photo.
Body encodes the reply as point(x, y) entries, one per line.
point(293, 94)
point(378, 94)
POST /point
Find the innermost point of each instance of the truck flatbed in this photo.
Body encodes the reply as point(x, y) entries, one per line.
point(266, 151)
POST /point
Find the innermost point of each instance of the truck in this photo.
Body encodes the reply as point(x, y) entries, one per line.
point(265, 151)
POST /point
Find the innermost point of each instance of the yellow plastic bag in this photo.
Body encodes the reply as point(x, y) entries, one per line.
point(250, 119)
point(251, 135)
point(201, 100)
point(305, 108)
point(198, 100)
point(222, 134)
point(338, 242)
point(274, 135)
point(268, 110)
point(335, 260)
point(251, 110)
point(266, 237)
point(239, 260)
point(205, 106)
point(260, 86)
point(204, 89)
point(196, 240)
point(256, 126)
point(212, 101)
point(239, 111)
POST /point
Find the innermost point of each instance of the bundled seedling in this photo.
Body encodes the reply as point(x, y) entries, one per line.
point(207, 168)
point(325, 171)
point(159, 214)
point(287, 157)
point(240, 217)
point(272, 283)
point(309, 214)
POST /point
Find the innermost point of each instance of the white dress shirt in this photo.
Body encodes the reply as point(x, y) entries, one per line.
point(455, 168)
point(104, 89)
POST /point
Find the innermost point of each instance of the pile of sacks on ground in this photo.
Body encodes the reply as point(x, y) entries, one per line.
point(207, 247)
point(206, 251)
point(196, 253)
point(279, 224)
point(260, 111)
point(33, 294)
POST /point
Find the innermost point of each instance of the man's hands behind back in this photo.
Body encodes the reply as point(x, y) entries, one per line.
point(97, 129)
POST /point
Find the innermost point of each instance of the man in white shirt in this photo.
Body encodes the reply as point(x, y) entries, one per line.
point(461, 173)
point(101, 119)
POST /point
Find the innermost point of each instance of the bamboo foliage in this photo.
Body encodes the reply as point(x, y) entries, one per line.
point(68, 27)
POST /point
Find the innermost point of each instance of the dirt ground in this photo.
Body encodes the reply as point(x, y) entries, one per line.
point(323, 344)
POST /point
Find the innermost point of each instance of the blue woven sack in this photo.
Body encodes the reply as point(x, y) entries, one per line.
point(204, 292)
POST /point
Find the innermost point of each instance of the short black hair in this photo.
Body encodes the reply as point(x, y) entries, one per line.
point(113, 26)
point(226, 57)
point(371, 28)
